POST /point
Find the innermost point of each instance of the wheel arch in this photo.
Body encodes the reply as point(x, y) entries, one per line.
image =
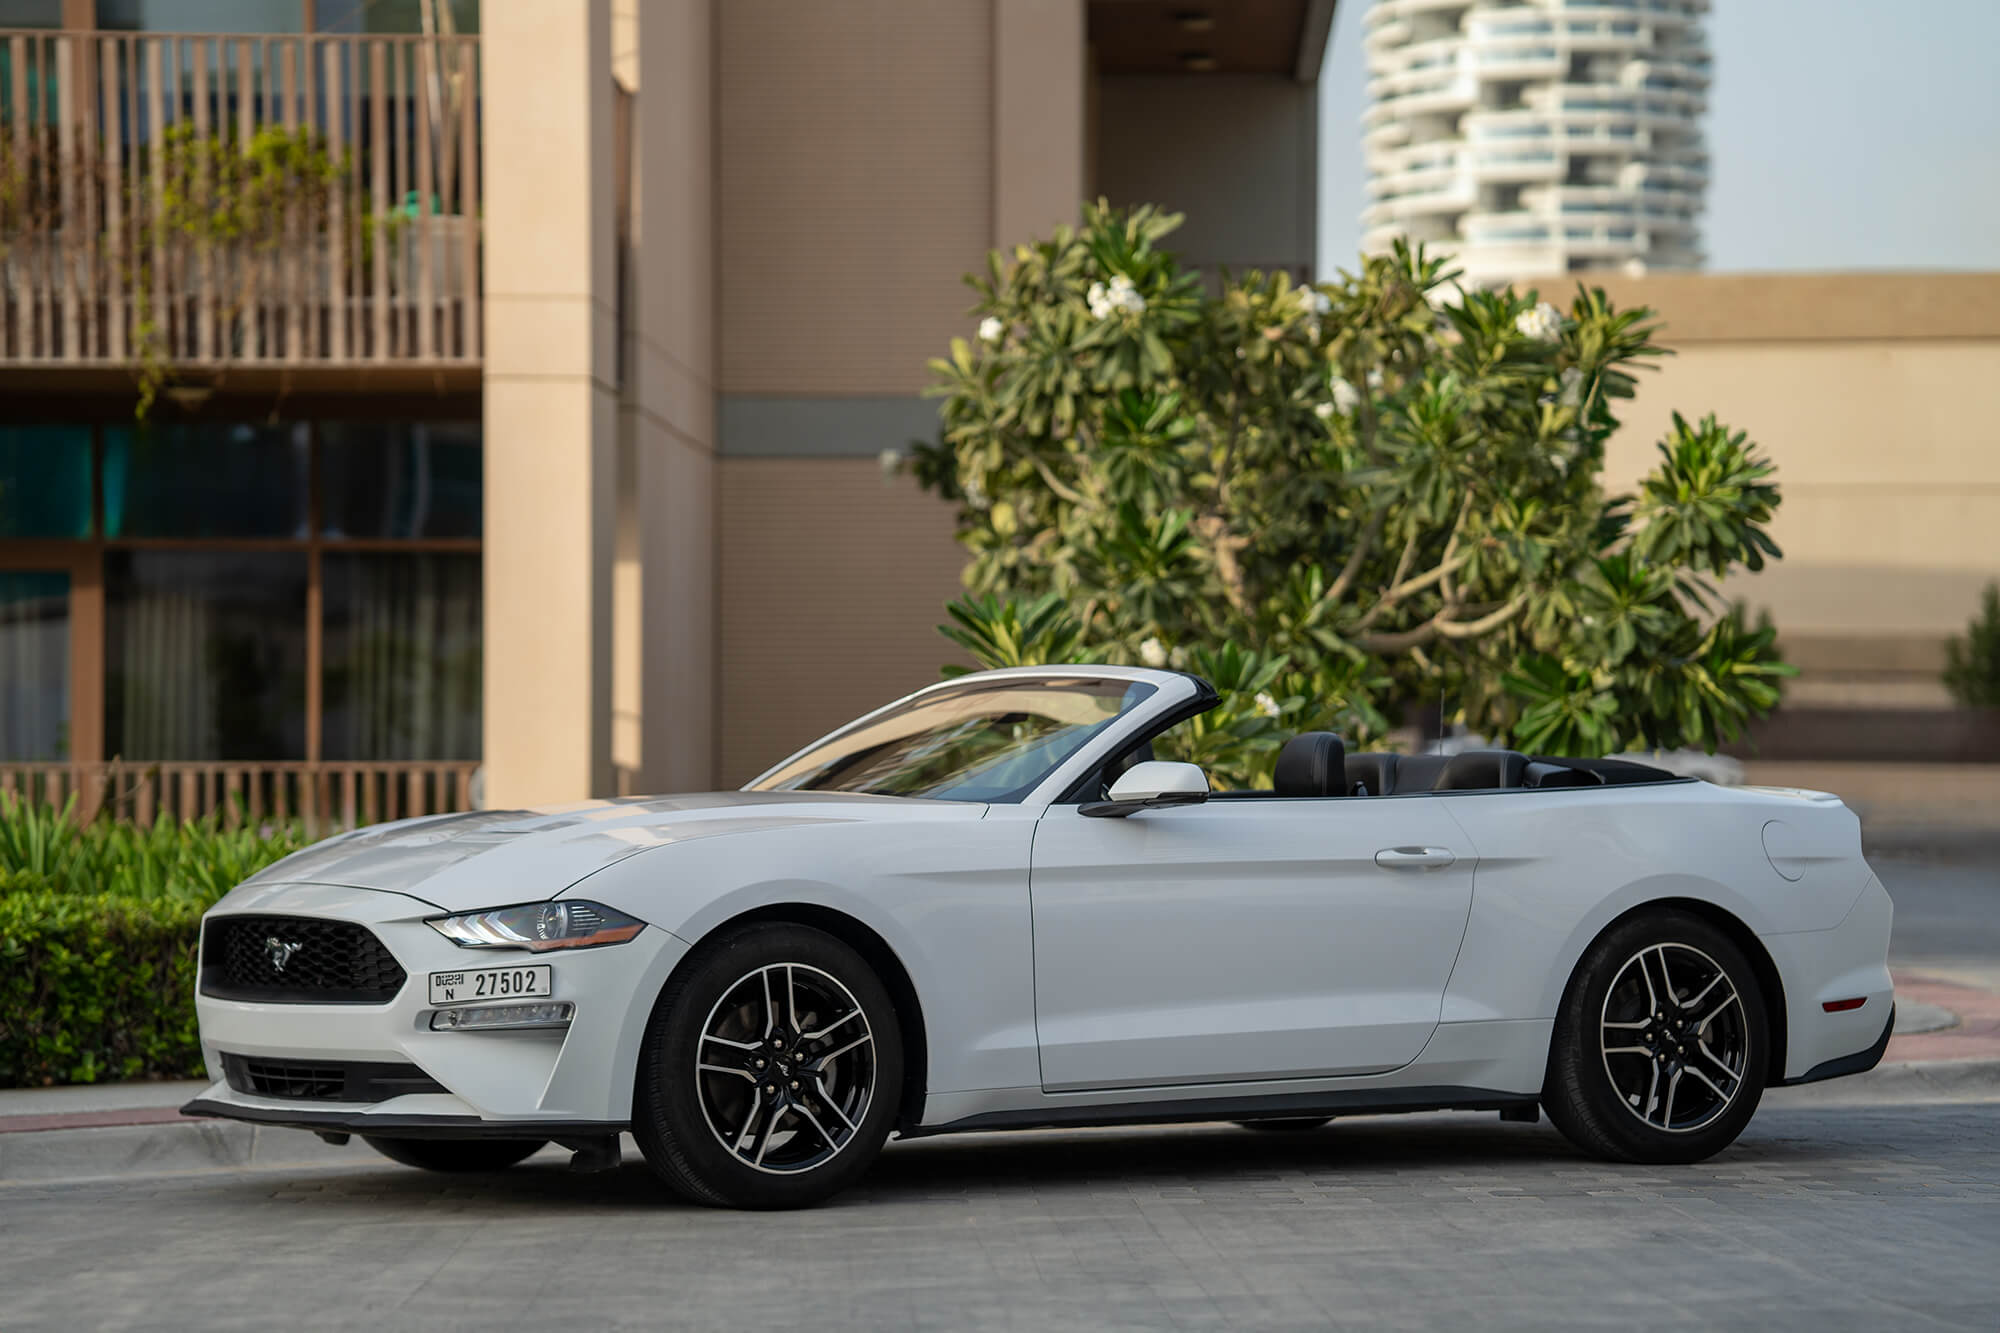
point(879, 955)
point(1761, 964)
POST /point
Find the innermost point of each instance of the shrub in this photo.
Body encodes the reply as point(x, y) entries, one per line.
point(99, 925)
point(1344, 498)
point(1972, 663)
point(96, 986)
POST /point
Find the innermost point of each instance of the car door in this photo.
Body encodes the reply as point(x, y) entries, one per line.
point(1244, 939)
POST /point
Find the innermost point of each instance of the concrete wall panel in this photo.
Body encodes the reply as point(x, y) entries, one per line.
point(833, 580)
point(856, 186)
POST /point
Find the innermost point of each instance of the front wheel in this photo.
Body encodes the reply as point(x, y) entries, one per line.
point(1661, 1043)
point(455, 1155)
point(770, 1071)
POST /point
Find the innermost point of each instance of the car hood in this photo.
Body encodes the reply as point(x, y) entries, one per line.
point(494, 857)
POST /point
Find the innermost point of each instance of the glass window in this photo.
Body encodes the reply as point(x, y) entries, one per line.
point(399, 479)
point(200, 15)
point(34, 665)
point(205, 480)
point(205, 654)
point(30, 13)
point(402, 656)
point(390, 16)
point(44, 481)
point(967, 743)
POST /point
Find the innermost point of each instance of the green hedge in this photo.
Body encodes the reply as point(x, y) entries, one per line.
point(96, 987)
point(98, 931)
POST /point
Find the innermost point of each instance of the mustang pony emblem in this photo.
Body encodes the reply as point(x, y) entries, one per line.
point(279, 951)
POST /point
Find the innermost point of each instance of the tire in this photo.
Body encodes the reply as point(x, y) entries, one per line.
point(1634, 1078)
point(1294, 1125)
point(455, 1155)
point(824, 1041)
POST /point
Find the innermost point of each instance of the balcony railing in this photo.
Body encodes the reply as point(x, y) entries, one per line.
point(323, 796)
point(280, 201)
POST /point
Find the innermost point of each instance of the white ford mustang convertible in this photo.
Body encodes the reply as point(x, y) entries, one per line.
point(987, 906)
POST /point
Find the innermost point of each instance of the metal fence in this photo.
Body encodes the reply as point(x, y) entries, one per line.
point(239, 199)
point(325, 796)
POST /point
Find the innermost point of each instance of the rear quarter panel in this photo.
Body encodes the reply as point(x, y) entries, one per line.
point(1557, 867)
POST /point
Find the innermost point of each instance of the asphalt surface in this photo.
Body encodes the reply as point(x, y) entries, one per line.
point(1947, 916)
point(1851, 1218)
point(1830, 1213)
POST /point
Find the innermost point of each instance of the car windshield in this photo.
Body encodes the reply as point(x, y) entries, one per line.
point(990, 741)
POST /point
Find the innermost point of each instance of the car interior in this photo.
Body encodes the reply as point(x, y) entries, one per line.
point(1316, 764)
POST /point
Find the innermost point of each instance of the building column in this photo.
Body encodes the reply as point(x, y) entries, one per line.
point(551, 399)
point(665, 733)
point(1039, 125)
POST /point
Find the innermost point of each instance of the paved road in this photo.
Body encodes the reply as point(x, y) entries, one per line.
point(1947, 917)
point(1821, 1218)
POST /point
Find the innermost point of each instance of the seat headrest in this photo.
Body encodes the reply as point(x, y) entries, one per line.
point(1481, 770)
point(1371, 774)
point(1313, 763)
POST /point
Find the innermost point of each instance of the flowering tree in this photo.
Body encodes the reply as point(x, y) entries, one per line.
point(1337, 500)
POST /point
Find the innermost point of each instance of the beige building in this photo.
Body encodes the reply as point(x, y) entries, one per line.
point(536, 431)
point(534, 436)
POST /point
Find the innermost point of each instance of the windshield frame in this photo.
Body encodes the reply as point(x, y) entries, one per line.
point(1172, 691)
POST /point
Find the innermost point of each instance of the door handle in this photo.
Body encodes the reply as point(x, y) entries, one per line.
point(1414, 858)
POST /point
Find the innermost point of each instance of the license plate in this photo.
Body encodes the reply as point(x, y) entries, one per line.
point(491, 983)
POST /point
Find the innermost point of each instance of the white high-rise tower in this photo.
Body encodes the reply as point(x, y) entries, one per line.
point(1538, 137)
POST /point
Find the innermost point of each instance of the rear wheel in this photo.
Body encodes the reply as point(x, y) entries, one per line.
point(1661, 1044)
point(455, 1154)
point(1294, 1125)
point(770, 1071)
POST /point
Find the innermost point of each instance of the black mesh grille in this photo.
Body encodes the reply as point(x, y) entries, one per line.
point(324, 1080)
point(296, 960)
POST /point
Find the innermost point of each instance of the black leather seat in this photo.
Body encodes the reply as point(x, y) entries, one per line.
point(1313, 763)
point(1371, 774)
point(1481, 770)
point(1417, 772)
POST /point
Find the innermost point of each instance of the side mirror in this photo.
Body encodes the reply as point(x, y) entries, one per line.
point(1150, 786)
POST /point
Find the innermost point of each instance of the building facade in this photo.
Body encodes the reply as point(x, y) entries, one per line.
point(524, 435)
point(1540, 138)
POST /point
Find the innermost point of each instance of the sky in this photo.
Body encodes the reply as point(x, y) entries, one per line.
point(1842, 134)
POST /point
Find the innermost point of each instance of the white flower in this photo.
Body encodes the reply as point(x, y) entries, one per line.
point(1345, 396)
point(1543, 323)
point(1572, 386)
point(1375, 378)
point(975, 491)
point(1153, 653)
point(891, 461)
point(1324, 411)
point(1266, 704)
point(991, 329)
point(1106, 300)
point(1177, 658)
point(1317, 301)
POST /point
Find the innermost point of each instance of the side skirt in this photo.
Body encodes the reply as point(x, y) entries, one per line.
point(1276, 1106)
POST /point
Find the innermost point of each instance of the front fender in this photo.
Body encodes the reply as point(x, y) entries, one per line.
point(950, 899)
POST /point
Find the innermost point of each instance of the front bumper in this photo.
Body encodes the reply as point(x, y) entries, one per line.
point(520, 1083)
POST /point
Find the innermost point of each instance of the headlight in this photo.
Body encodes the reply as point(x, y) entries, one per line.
point(538, 927)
